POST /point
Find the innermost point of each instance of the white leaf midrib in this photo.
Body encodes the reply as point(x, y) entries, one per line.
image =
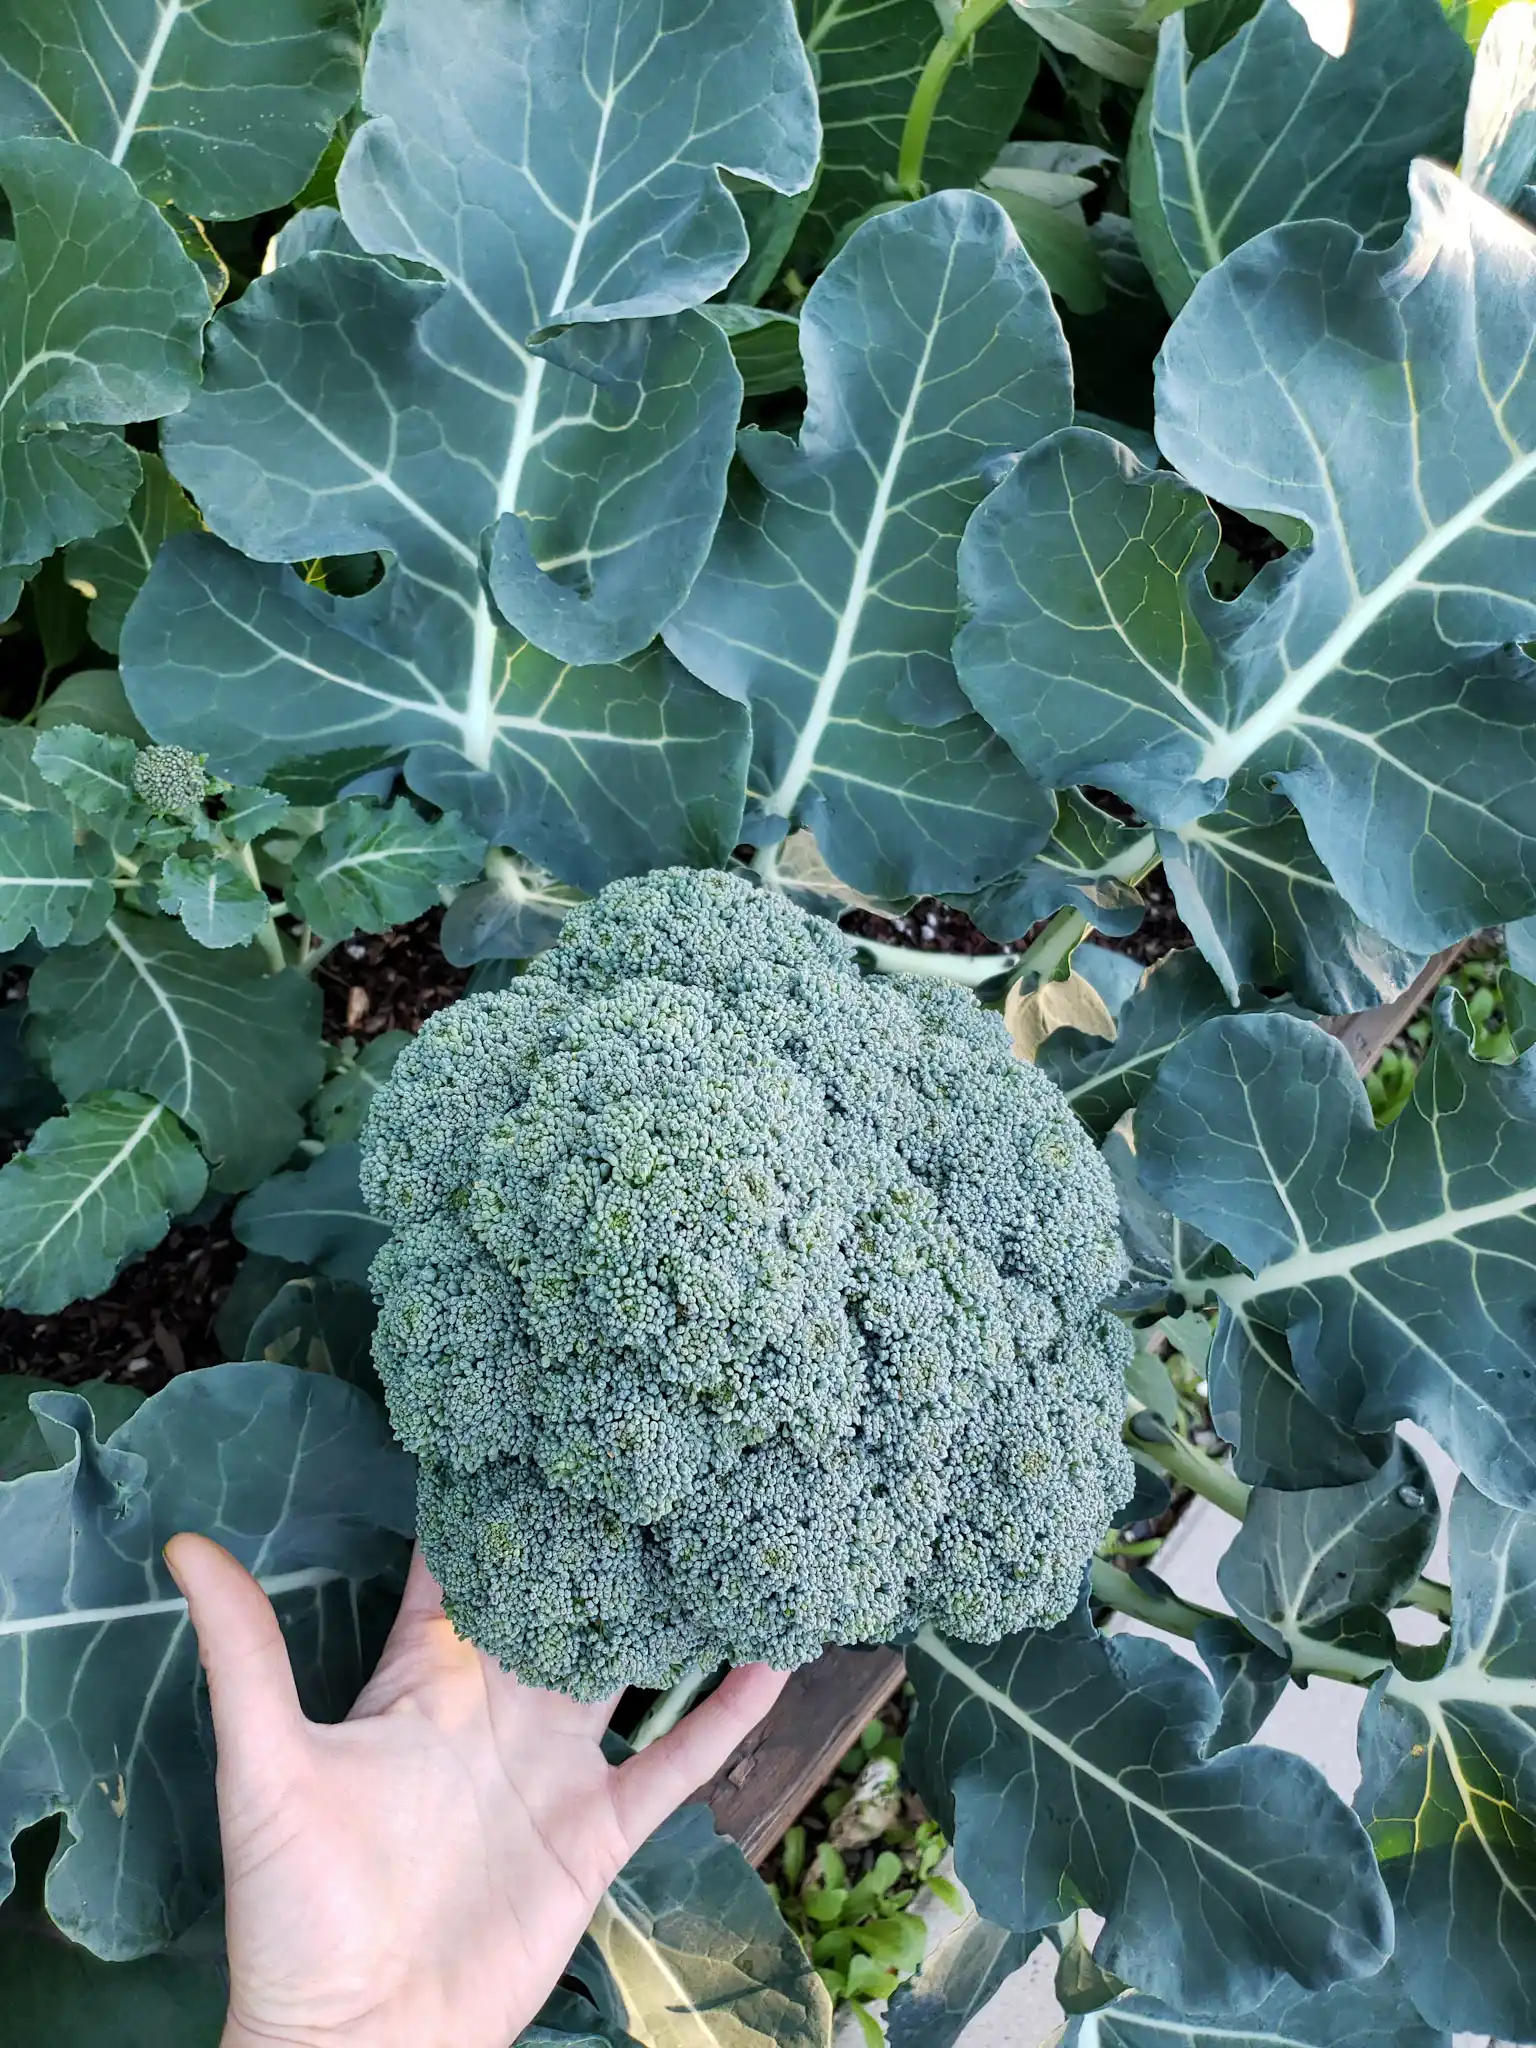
point(273, 1584)
point(144, 81)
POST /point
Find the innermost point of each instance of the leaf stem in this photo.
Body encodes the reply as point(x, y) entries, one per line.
point(1145, 1599)
point(942, 59)
point(269, 937)
point(1429, 1594)
point(970, 970)
point(663, 1715)
point(1151, 1442)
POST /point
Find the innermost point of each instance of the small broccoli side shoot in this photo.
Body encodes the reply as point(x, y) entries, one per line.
point(171, 781)
point(736, 1304)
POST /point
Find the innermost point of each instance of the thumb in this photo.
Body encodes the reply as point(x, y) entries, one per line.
point(257, 1718)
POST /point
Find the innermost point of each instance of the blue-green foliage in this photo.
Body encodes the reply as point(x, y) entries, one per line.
point(737, 1304)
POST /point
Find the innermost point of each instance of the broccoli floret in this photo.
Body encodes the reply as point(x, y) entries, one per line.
point(738, 1304)
point(171, 781)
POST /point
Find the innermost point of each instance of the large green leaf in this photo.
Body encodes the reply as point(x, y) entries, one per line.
point(1109, 36)
point(56, 1994)
point(49, 884)
point(110, 569)
point(94, 1188)
point(315, 1217)
point(1271, 128)
point(233, 1050)
point(869, 55)
point(694, 1953)
point(1328, 1563)
point(106, 1718)
point(1377, 2013)
point(101, 320)
point(1368, 676)
point(376, 445)
point(1061, 1762)
point(961, 1971)
point(931, 350)
point(1262, 909)
point(1401, 1264)
point(1447, 1787)
point(217, 107)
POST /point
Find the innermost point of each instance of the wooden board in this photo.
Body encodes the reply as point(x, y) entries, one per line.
point(781, 1766)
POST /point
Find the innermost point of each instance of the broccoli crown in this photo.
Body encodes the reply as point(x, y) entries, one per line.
point(170, 780)
point(736, 1304)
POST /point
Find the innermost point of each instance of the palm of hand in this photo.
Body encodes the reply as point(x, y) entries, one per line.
point(419, 1873)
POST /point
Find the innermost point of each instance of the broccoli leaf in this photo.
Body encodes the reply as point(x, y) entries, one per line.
point(52, 1991)
point(49, 884)
point(1377, 2013)
point(931, 349)
point(314, 1217)
point(868, 61)
point(1446, 1763)
point(961, 1971)
point(372, 867)
point(1271, 123)
point(218, 108)
point(1262, 909)
point(1063, 1758)
point(23, 1446)
point(597, 770)
point(92, 770)
point(1498, 150)
point(110, 568)
point(296, 1475)
point(687, 1948)
point(1368, 676)
point(1282, 1437)
point(232, 1050)
point(1103, 1079)
point(101, 321)
point(95, 1187)
point(218, 902)
point(1398, 1263)
point(1082, 866)
point(1326, 1564)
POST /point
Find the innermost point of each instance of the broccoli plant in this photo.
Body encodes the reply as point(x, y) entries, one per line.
point(633, 484)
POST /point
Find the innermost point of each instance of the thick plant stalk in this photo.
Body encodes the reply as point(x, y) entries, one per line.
point(942, 59)
point(663, 1715)
point(1162, 1609)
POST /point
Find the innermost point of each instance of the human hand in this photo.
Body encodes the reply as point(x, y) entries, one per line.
point(417, 1875)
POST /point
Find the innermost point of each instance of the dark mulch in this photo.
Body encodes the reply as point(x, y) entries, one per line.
point(391, 982)
point(931, 927)
point(158, 1317)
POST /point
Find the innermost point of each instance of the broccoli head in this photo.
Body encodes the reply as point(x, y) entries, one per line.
point(736, 1304)
point(171, 781)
